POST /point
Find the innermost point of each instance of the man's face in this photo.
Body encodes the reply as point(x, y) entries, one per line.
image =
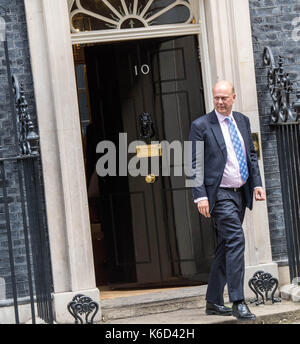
point(223, 99)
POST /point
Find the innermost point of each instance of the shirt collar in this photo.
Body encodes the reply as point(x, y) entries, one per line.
point(222, 118)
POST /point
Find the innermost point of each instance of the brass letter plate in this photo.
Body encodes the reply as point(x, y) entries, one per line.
point(147, 151)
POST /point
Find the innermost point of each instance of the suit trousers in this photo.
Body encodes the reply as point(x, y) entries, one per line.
point(228, 265)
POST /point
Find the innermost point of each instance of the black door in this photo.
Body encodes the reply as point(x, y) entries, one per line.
point(153, 232)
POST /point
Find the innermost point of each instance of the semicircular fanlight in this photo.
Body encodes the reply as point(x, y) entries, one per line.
point(89, 15)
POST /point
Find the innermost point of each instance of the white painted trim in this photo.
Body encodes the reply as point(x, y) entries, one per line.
point(133, 34)
point(205, 59)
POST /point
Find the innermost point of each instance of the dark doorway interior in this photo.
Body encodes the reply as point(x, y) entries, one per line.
point(144, 234)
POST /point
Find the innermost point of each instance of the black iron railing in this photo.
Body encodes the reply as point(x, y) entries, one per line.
point(285, 118)
point(27, 274)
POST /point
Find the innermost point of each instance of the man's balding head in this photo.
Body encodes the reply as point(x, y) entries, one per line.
point(224, 97)
point(224, 85)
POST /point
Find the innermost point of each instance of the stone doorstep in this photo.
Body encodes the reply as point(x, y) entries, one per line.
point(127, 309)
point(285, 312)
point(154, 303)
point(169, 300)
point(154, 307)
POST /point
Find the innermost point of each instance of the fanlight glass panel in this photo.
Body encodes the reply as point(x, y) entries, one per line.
point(90, 15)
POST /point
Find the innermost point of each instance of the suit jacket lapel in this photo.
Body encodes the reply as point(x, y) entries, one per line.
point(216, 128)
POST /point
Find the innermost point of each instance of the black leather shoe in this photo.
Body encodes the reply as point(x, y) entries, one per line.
point(241, 311)
point(213, 309)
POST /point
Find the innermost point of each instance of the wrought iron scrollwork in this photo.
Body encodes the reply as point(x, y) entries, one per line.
point(280, 88)
point(262, 283)
point(80, 305)
point(28, 138)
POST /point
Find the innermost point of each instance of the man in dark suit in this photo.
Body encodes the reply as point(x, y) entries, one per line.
point(231, 176)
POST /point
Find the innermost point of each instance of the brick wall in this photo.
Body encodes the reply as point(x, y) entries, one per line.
point(272, 25)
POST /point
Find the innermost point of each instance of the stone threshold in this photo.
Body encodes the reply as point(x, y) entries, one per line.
point(153, 303)
point(285, 312)
point(187, 305)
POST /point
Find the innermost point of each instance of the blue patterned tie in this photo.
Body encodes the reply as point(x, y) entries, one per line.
point(238, 149)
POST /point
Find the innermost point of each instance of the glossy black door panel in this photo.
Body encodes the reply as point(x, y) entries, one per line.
point(153, 232)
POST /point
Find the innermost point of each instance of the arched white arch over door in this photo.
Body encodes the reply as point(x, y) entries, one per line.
point(140, 11)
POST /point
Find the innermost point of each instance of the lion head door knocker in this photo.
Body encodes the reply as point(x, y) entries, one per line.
point(146, 125)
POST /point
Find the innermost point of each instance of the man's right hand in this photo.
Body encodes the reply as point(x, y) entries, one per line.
point(203, 207)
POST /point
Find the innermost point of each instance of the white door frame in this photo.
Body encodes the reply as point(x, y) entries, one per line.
point(225, 51)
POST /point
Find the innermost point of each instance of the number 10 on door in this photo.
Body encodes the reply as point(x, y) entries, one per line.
point(144, 69)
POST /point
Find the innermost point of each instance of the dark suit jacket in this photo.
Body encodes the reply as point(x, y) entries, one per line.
point(207, 128)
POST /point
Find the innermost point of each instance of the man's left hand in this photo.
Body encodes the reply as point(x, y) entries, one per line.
point(259, 194)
